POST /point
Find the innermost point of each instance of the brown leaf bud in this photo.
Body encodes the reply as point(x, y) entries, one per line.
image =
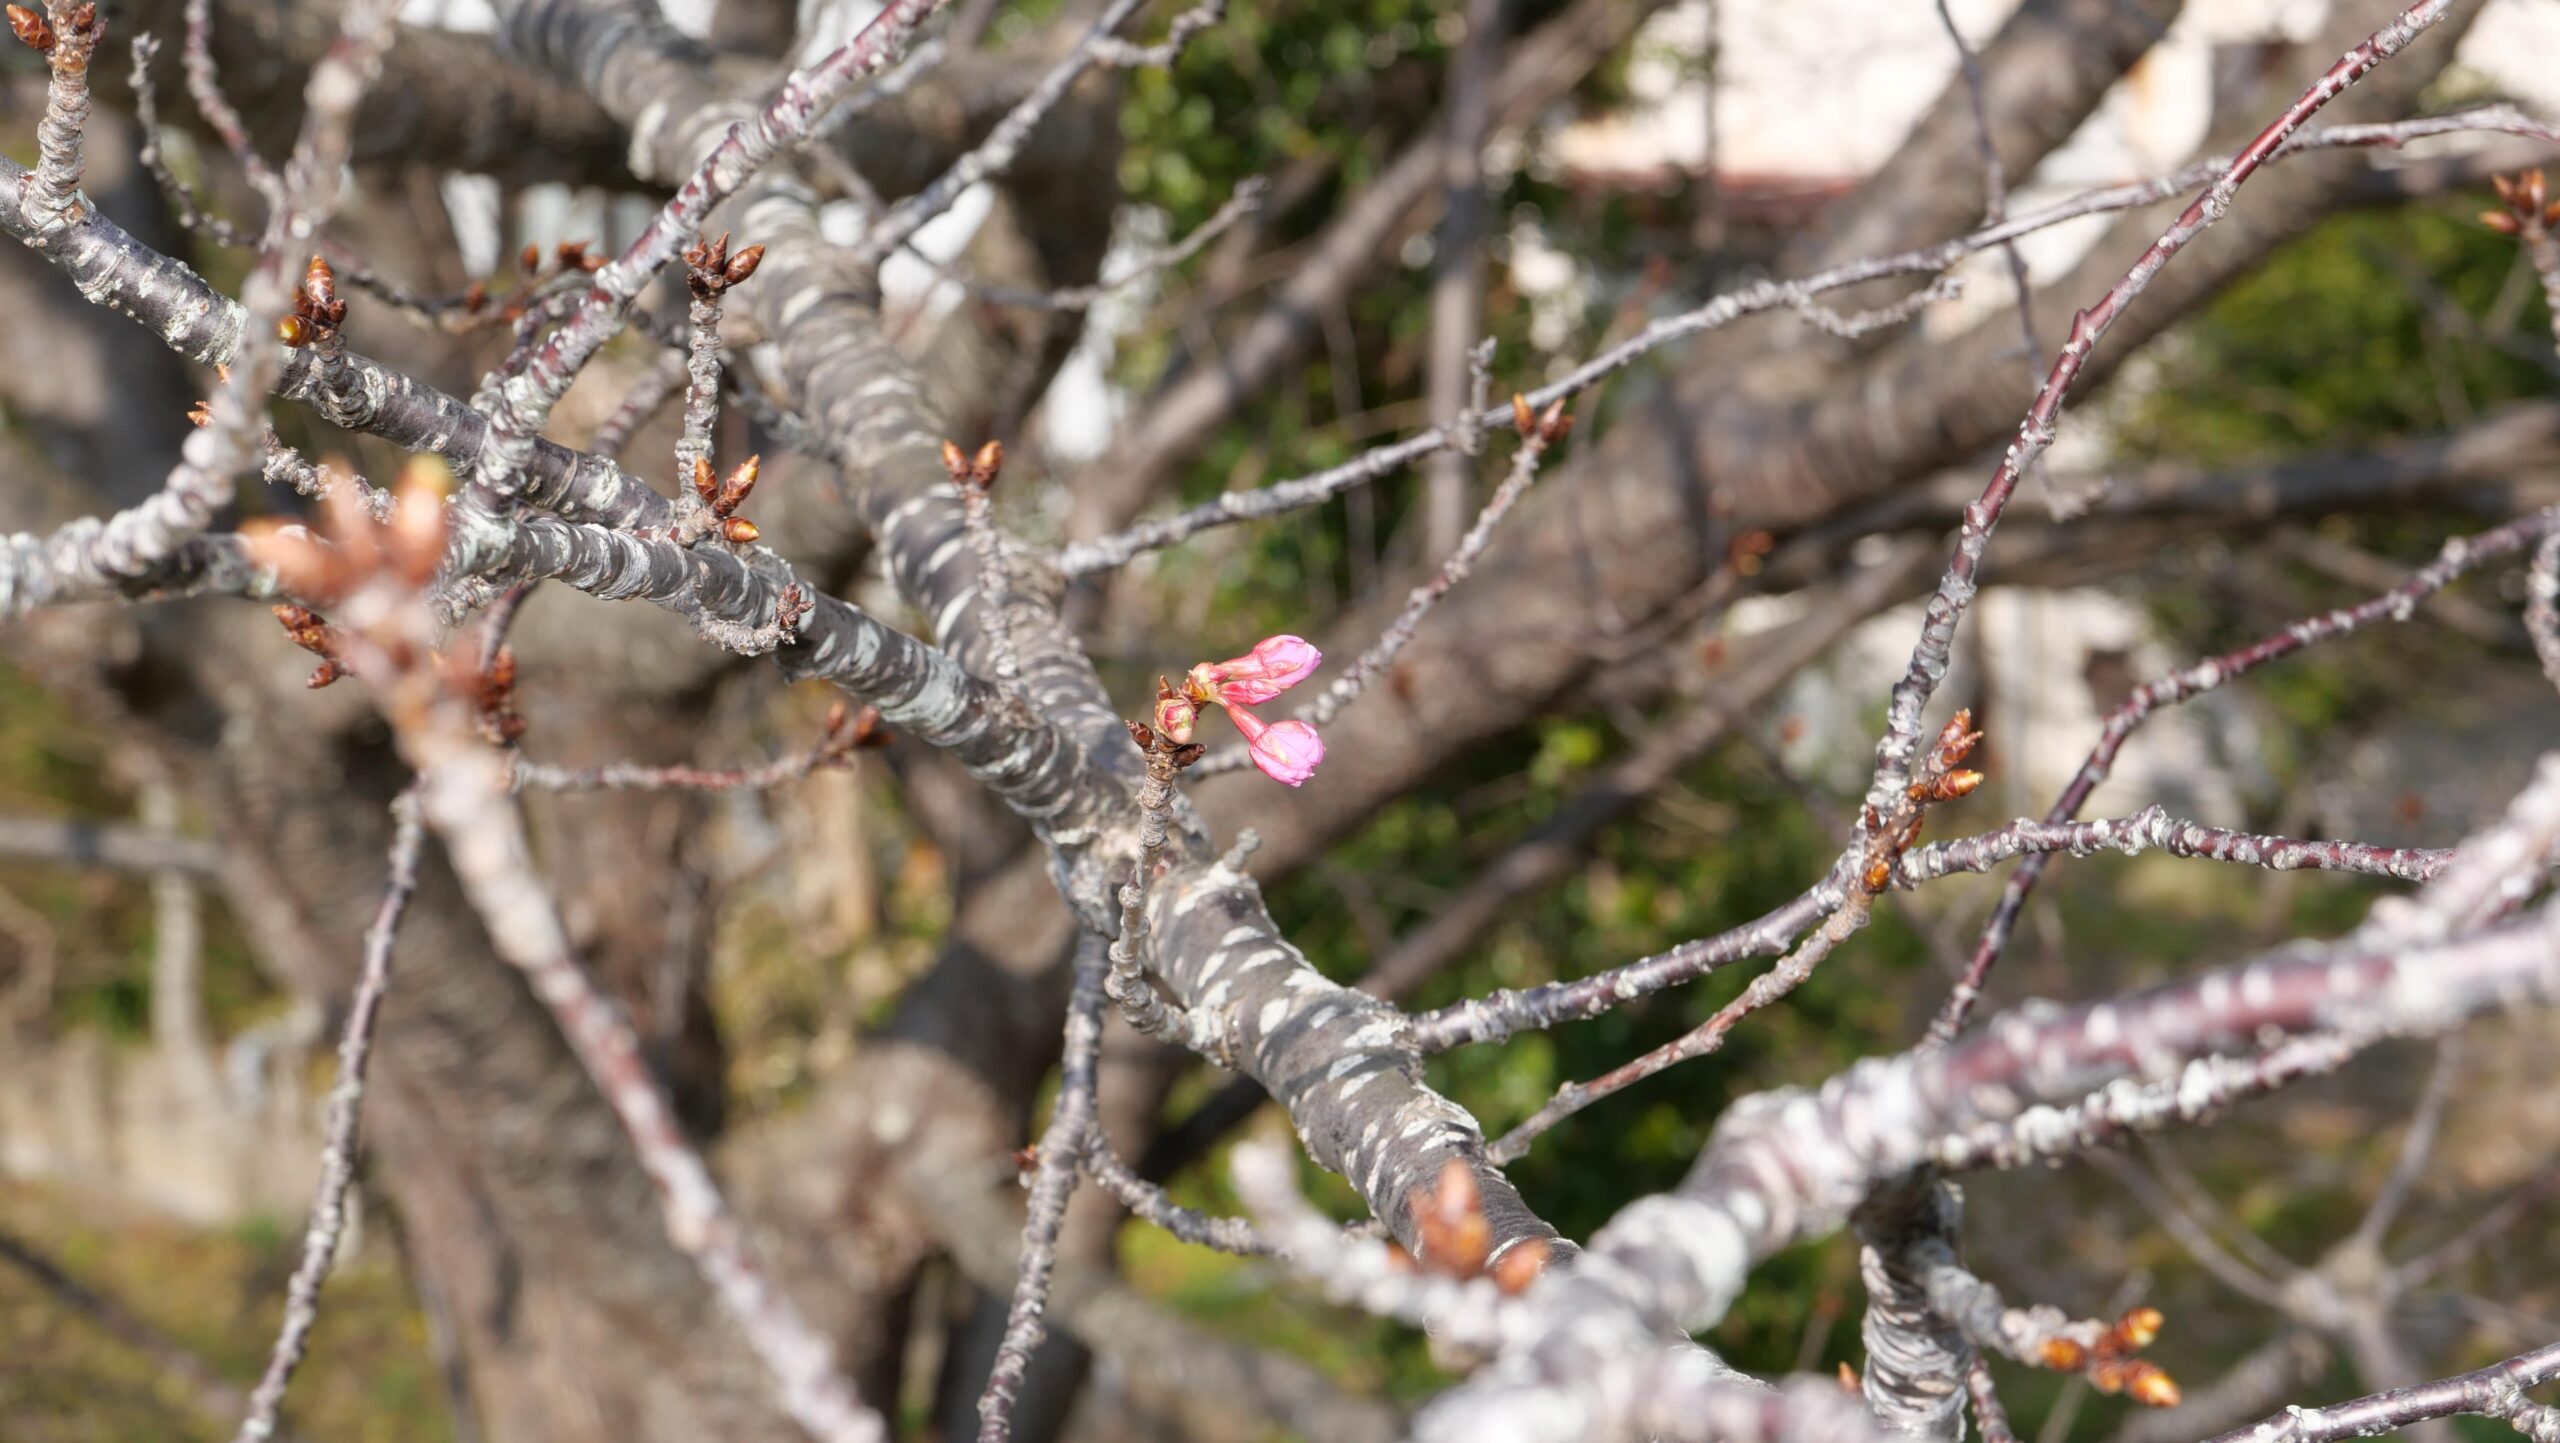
point(741, 480)
point(31, 28)
point(295, 331)
point(1450, 1224)
point(500, 678)
point(1187, 753)
point(956, 462)
point(323, 674)
point(319, 299)
point(1553, 424)
point(417, 533)
point(303, 566)
point(475, 296)
point(1954, 785)
point(2500, 221)
point(1142, 734)
point(739, 531)
point(1849, 1381)
point(2140, 1327)
point(2146, 1384)
point(2063, 1355)
point(1515, 1270)
point(984, 466)
point(743, 265)
point(530, 259)
point(706, 482)
point(201, 413)
point(84, 18)
point(1523, 419)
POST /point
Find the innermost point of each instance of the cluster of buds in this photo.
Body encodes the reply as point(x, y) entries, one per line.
point(1455, 1238)
point(709, 269)
point(1942, 778)
point(316, 637)
point(2529, 207)
point(491, 691)
point(1547, 428)
point(407, 549)
point(973, 476)
point(318, 310)
point(569, 255)
point(36, 33)
point(1286, 751)
point(723, 495)
point(2110, 1364)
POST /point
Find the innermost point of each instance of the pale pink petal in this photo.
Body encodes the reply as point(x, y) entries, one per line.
point(1274, 665)
point(1288, 751)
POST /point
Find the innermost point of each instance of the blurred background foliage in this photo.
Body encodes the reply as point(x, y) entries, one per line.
point(2377, 325)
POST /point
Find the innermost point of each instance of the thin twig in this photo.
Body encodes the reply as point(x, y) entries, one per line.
point(1060, 1159)
point(338, 1156)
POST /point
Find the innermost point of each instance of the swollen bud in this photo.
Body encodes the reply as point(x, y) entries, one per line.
point(984, 466)
point(733, 491)
point(31, 28)
point(739, 531)
point(706, 484)
point(743, 265)
point(293, 331)
point(1523, 420)
point(1515, 1270)
point(956, 462)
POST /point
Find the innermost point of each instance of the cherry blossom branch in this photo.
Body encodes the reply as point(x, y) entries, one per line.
point(845, 732)
point(132, 548)
point(2153, 827)
point(1869, 868)
point(997, 153)
point(974, 478)
point(2202, 1091)
point(385, 635)
point(1281, 497)
point(66, 34)
point(1793, 1164)
point(338, 1155)
point(146, 114)
point(1127, 981)
point(1375, 1277)
point(1930, 657)
point(2496, 1391)
point(1122, 54)
point(524, 398)
point(2457, 557)
point(1995, 184)
point(97, 844)
point(1061, 1153)
point(1148, 1202)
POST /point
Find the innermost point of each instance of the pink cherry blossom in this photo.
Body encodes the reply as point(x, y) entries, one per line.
point(1275, 664)
point(1286, 751)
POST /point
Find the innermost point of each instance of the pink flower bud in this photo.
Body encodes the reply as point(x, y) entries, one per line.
point(1285, 751)
point(1273, 666)
point(1176, 713)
